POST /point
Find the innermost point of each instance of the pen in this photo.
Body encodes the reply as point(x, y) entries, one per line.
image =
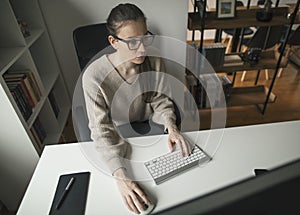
point(64, 194)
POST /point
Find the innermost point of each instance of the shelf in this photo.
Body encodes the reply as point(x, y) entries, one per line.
point(36, 111)
point(252, 95)
point(34, 35)
point(8, 56)
point(267, 61)
point(244, 18)
point(53, 138)
point(32, 53)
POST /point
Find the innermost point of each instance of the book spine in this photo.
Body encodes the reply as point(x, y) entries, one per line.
point(24, 107)
point(27, 94)
point(35, 136)
point(41, 133)
point(31, 82)
point(30, 90)
point(35, 84)
point(24, 100)
point(18, 103)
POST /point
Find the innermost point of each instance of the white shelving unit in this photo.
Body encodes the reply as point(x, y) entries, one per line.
point(36, 54)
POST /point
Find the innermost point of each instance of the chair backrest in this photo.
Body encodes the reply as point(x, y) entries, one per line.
point(79, 113)
point(88, 41)
point(266, 37)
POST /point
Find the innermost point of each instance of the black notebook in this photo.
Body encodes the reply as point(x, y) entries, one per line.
point(74, 189)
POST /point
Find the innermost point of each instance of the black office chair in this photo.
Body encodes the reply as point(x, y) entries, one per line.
point(265, 38)
point(90, 44)
point(88, 41)
point(231, 32)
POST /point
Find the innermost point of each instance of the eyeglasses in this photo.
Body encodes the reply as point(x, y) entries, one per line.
point(134, 43)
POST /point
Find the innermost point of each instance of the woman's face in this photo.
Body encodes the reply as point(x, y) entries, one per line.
point(131, 30)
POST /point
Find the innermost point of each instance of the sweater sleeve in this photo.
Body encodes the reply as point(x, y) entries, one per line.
point(163, 110)
point(161, 103)
point(109, 144)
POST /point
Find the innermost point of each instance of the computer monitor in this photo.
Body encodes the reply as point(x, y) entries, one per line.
point(274, 192)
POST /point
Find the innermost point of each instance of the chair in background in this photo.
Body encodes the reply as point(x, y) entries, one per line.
point(232, 32)
point(89, 42)
point(290, 53)
point(265, 38)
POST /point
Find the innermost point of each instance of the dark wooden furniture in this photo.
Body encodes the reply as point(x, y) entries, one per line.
point(246, 17)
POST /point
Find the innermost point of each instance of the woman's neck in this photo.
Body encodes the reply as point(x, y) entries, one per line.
point(126, 69)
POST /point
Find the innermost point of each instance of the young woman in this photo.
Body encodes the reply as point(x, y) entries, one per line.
point(129, 37)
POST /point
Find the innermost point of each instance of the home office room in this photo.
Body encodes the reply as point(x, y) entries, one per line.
point(149, 107)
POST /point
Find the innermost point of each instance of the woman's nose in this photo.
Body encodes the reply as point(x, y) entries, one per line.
point(141, 48)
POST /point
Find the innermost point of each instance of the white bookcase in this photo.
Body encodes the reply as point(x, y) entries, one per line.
point(19, 147)
point(34, 53)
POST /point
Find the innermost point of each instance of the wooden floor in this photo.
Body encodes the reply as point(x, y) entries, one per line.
point(285, 108)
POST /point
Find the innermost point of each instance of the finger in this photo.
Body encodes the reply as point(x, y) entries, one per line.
point(127, 204)
point(137, 203)
point(132, 205)
point(171, 145)
point(143, 196)
point(183, 147)
point(180, 147)
point(186, 146)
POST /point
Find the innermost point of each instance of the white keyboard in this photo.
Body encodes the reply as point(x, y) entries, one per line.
point(171, 164)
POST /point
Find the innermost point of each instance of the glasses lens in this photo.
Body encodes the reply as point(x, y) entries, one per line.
point(134, 43)
point(148, 39)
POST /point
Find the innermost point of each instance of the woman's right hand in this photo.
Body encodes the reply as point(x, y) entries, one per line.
point(131, 193)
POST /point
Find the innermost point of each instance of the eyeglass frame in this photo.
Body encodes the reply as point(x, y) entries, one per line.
point(127, 41)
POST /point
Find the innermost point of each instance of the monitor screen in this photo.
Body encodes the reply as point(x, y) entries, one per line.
point(269, 193)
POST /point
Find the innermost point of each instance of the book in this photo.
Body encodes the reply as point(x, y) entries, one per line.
point(31, 81)
point(232, 58)
point(23, 80)
point(233, 64)
point(28, 83)
point(214, 53)
point(20, 99)
point(39, 129)
point(35, 136)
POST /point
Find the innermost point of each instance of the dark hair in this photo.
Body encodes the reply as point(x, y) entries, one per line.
point(121, 14)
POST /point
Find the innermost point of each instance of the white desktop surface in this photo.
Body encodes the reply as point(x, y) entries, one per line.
point(242, 150)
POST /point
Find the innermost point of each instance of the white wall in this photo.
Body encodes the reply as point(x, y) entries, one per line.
point(18, 157)
point(165, 17)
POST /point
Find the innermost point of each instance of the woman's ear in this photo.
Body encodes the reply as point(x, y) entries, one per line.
point(113, 42)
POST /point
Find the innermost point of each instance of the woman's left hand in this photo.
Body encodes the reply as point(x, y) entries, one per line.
point(175, 138)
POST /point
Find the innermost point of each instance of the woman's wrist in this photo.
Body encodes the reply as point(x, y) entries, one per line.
point(172, 129)
point(120, 173)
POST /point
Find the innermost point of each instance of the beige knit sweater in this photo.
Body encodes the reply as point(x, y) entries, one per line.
point(112, 101)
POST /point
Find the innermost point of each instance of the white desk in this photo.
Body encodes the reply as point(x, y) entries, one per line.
point(242, 150)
